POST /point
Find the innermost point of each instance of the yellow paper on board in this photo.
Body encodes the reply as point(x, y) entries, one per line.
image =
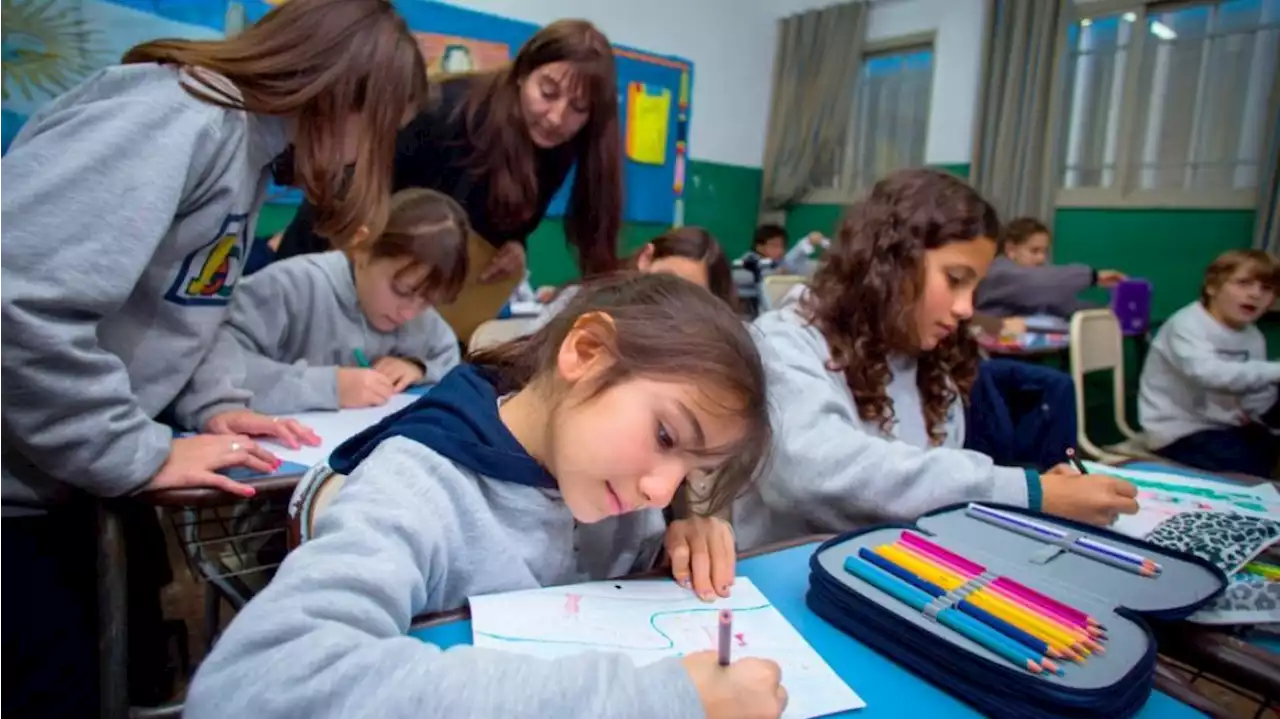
point(648, 120)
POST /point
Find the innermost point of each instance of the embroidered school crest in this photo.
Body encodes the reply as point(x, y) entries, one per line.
point(209, 274)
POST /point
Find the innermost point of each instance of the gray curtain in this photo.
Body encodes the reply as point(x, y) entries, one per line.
point(815, 73)
point(1013, 158)
point(1267, 233)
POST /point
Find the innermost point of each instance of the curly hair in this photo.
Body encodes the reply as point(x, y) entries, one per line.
point(864, 294)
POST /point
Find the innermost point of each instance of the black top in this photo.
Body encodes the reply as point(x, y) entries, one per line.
point(432, 151)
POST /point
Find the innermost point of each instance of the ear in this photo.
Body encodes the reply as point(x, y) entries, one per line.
point(645, 259)
point(587, 348)
point(360, 237)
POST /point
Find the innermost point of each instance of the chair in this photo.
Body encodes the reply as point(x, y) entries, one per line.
point(311, 497)
point(495, 332)
point(775, 287)
point(1096, 344)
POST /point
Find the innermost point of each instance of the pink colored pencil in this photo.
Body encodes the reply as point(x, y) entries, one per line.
point(1007, 586)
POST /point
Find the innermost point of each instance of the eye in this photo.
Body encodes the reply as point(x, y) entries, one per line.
point(665, 441)
point(550, 91)
point(955, 279)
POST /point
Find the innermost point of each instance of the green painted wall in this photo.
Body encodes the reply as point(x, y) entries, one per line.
point(805, 218)
point(722, 198)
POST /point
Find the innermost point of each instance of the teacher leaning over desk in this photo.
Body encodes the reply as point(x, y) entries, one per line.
point(501, 142)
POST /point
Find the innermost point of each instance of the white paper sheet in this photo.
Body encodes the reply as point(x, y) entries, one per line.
point(1162, 495)
point(334, 428)
point(651, 619)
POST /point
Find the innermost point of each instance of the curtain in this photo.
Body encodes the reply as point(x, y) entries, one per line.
point(1013, 159)
point(815, 73)
point(1267, 233)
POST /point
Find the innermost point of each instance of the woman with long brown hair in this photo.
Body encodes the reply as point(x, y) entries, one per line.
point(868, 373)
point(131, 205)
point(501, 142)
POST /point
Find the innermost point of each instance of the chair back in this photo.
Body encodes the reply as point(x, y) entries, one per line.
point(1097, 343)
point(311, 497)
point(495, 332)
point(775, 287)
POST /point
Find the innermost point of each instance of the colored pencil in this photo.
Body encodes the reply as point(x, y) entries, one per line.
point(953, 619)
point(1037, 645)
point(1059, 637)
point(925, 549)
point(1075, 461)
point(361, 358)
point(1083, 546)
point(726, 635)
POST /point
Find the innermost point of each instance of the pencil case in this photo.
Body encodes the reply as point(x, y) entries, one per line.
point(1017, 613)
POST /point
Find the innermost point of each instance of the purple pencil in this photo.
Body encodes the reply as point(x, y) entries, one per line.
point(726, 635)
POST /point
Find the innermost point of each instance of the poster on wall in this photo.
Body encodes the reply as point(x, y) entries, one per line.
point(451, 53)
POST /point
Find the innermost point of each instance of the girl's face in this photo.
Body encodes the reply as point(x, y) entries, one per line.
point(554, 104)
point(951, 273)
point(1033, 252)
point(387, 289)
point(630, 446)
point(685, 268)
point(1242, 299)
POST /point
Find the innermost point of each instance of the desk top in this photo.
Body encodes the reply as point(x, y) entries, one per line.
point(888, 689)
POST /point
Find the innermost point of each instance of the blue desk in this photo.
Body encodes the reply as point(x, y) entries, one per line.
point(888, 689)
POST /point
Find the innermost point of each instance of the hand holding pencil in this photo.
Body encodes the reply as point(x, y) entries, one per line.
point(1092, 498)
point(747, 688)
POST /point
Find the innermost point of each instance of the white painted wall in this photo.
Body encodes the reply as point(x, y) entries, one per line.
point(731, 43)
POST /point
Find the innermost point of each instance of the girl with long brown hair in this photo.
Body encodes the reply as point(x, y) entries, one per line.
point(501, 142)
point(131, 205)
point(868, 373)
point(543, 461)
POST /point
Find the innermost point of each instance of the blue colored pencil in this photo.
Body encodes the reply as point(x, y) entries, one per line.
point(957, 621)
point(1039, 646)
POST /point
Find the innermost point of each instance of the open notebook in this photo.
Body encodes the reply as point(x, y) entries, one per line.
point(334, 428)
point(650, 619)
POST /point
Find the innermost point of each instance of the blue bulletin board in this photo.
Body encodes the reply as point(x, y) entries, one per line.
point(652, 191)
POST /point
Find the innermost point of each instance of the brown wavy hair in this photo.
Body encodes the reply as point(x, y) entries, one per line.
point(505, 152)
point(430, 228)
point(696, 243)
point(1263, 267)
point(315, 62)
point(667, 329)
point(864, 294)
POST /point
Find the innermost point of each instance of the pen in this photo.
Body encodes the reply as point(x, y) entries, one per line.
point(361, 359)
point(1075, 461)
point(726, 635)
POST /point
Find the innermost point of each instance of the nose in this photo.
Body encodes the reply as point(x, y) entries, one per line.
point(555, 113)
point(658, 487)
point(962, 307)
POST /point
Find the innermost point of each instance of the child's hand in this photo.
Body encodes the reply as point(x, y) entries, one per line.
point(401, 372)
point(1093, 498)
point(1013, 326)
point(290, 432)
point(194, 461)
point(747, 689)
point(1110, 278)
point(360, 387)
point(702, 555)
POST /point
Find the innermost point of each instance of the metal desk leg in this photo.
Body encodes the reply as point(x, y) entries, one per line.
point(113, 614)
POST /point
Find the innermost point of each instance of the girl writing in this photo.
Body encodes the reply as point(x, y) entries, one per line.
point(868, 371)
point(641, 382)
point(131, 205)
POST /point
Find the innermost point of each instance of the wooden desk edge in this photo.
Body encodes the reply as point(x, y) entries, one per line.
point(435, 619)
point(197, 497)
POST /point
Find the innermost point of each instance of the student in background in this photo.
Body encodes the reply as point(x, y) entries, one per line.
point(1020, 281)
point(302, 333)
point(132, 200)
point(688, 252)
point(642, 382)
point(869, 370)
point(769, 252)
point(1207, 394)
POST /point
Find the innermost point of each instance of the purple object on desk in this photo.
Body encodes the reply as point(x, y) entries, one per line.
point(1131, 303)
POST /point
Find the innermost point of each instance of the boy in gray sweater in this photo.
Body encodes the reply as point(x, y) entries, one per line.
point(346, 328)
point(1207, 395)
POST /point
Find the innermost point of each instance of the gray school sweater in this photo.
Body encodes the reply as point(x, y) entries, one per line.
point(292, 325)
point(1201, 374)
point(831, 471)
point(128, 214)
point(1010, 290)
point(409, 532)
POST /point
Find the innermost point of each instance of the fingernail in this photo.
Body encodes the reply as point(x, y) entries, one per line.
point(706, 596)
point(250, 492)
point(683, 582)
point(724, 589)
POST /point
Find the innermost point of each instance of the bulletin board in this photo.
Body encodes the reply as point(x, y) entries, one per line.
point(654, 92)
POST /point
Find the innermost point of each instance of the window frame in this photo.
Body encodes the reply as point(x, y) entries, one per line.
point(1124, 194)
point(925, 40)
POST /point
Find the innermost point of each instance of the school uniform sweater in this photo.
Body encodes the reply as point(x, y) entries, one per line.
point(434, 151)
point(440, 503)
point(129, 213)
point(293, 325)
point(1201, 374)
point(832, 471)
point(1010, 289)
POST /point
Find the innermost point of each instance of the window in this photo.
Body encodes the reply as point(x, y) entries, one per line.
point(1167, 104)
point(890, 120)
